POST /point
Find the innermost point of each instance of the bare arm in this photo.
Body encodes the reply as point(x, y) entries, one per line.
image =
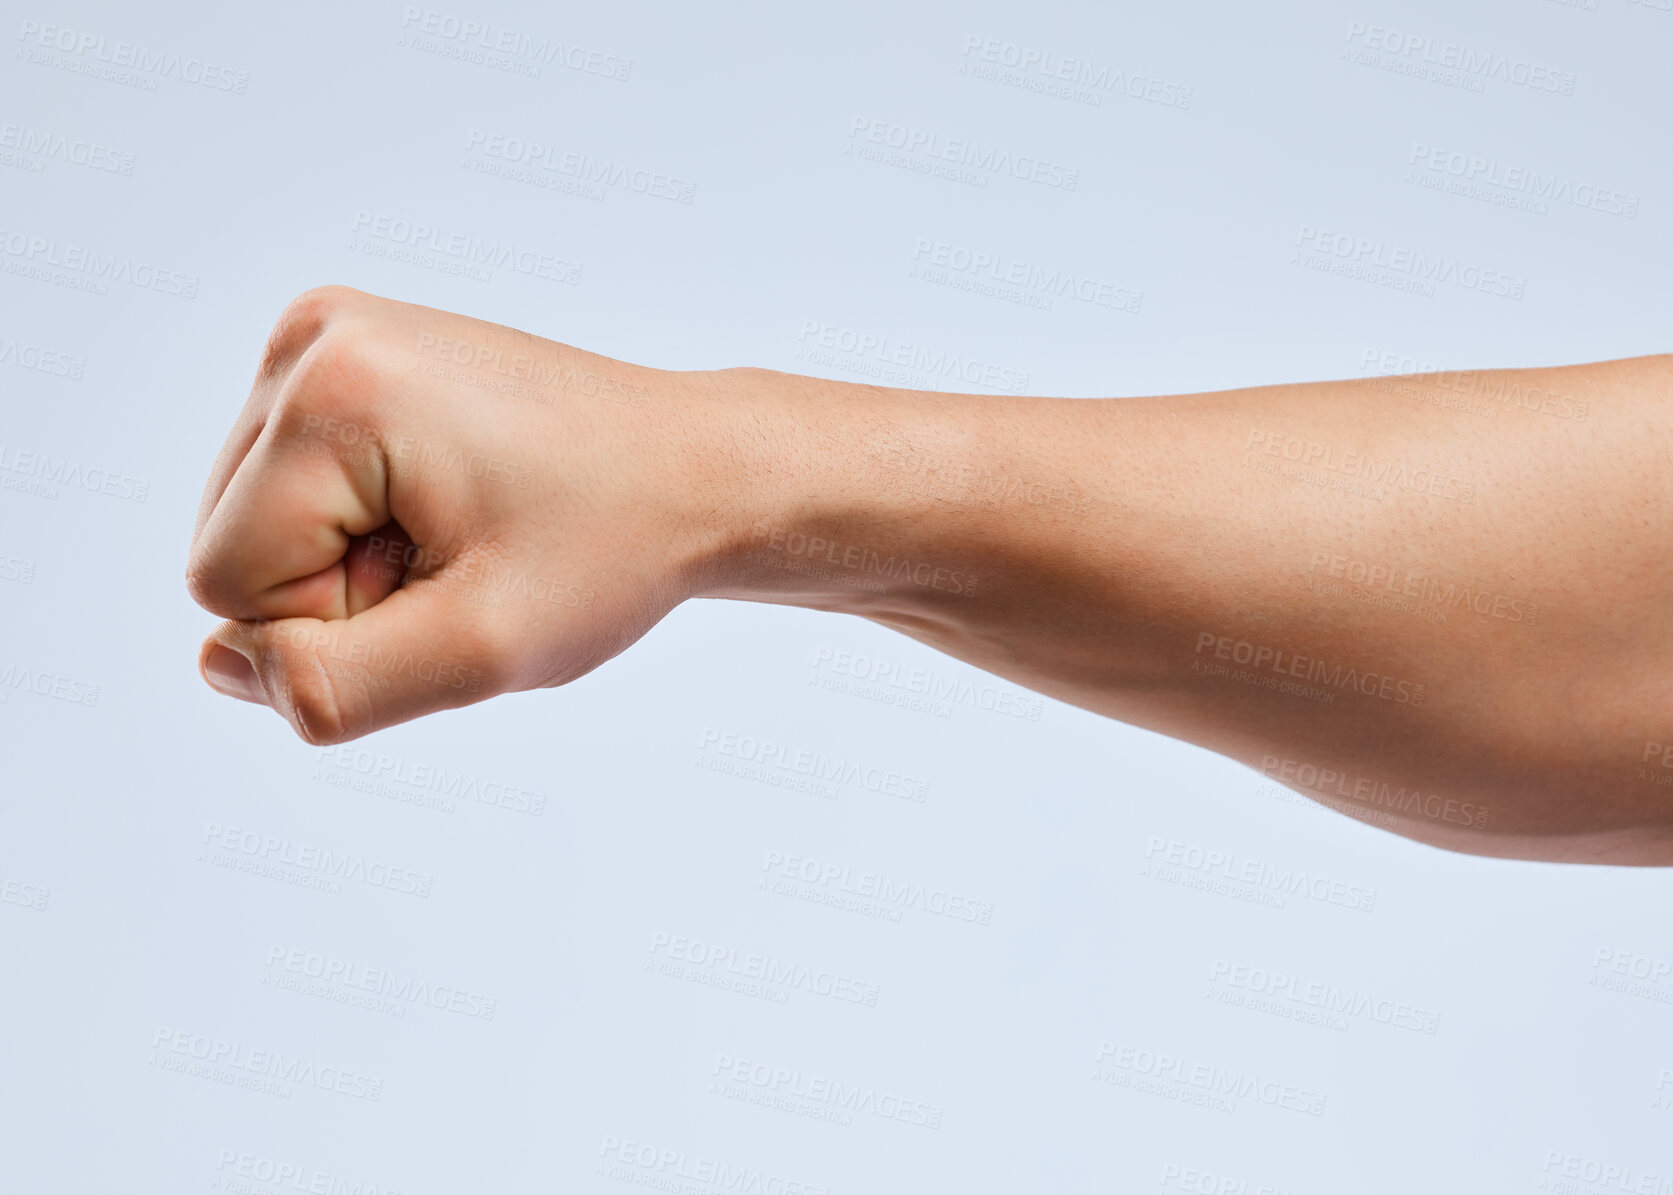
point(1454, 622)
point(1439, 603)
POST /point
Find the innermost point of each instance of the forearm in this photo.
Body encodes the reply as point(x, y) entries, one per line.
point(1449, 622)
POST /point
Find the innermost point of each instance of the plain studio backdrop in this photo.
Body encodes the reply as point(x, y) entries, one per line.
point(781, 902)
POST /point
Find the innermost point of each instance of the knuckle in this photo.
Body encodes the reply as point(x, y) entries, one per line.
point(200, 585)
point(303, 321)
point(333, 366)
point(208, 587)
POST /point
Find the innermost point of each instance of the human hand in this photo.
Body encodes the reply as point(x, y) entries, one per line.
point(417, 510)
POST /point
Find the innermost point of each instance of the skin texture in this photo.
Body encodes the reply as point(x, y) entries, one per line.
point(1439, 603)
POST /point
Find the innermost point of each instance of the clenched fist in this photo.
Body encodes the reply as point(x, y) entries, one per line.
point(416, 510)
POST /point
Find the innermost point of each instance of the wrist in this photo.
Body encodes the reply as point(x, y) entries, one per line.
point(844, 497)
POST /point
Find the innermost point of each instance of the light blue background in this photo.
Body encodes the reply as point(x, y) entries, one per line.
point(1534, 1067)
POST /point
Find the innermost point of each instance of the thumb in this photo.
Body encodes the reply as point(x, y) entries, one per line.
point(413, 653)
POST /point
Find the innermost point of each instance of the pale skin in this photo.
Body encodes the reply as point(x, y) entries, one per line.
point(1442, 604)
